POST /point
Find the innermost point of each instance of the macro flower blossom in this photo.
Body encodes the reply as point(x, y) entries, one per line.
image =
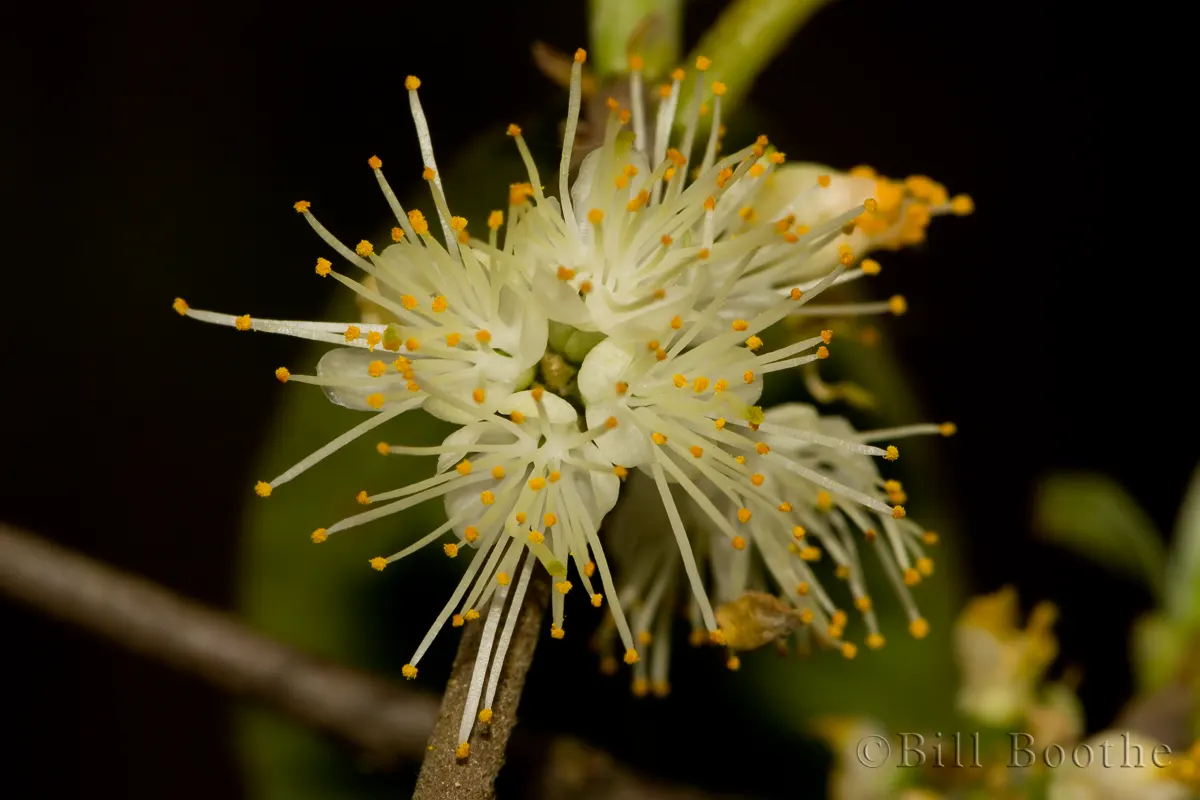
point(608, 343)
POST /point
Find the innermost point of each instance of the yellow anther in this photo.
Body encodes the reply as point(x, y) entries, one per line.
point(721, 385)
point(640, 687)
point(610, 423)
point(710, 203)
point(717, 637)
point(565, 273)
point(382, 448)
point(452, 339)
point(486, 497)
point(743, 515)
point(763, 448)
point(412, 386)
point(549, 519)
point(517, 417)
point(450, 549)
point(620, 471)
point(597, 600)
point(639, 201)
point(556, 632)
point(891, 454)
point(754, 343)
point(302, 206)
point(373, 339)
point(589, 569)
point(874, 641)
point(562, 587)
point(636, 62)
point(243, 323)
point(696, 451)
point(757, 170)
point(664, 90)
point(962, 205)
point(748, 376)
point(849, 650)
point(364, 248)
point(429, 173)
point(703, 253)
point(518, 193)
point(378, 565)
point(870, 535)
point(262, 489)
point(740, 459)
point(911, 577)
point(580, 56)
point(397, 234)
point(282, 374)
point(631, 656)
point(554, 476)
point(537, 393)
point(485, 716)
point(798, 532)
point(824, 500)
point(777, 157)
point(375, 401)
point(464, 467)
point(418, 222)
point(897, 512)
point(180, 305)
point(536, 537)
point(595, 216)
point(757, 479)
point(718, 88)
point(471, 533)
point(471, 615)
point(412, 83)
point(785, 506)
point(458, 223)
point(925, 566)
point(919, 628)
point(585, 287)
point(947, 429)
point(352, 333)
point(612, 103)
point(733, 663)
point(503, 578)
point(513, 130)
point(463, 750)
point(703, 63)
point(520, 517)
point(739, 543)
point(822, 352)
point(802, 589)
point(930, 538)
point(700, 384)
point(823, 181)
point(479, 395)
point(537, 484)
point(658, 438)
point(679, 381)
point(870, 266)
point(796, 294)
point(897, 304)
point(666, 240)
point(374, 162)
point(412, 345)
point(319, 535)
point(862, 603)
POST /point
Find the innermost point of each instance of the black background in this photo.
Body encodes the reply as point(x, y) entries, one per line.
point(159, 146)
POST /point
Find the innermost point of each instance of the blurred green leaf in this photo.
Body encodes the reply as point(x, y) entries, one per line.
point(651, 28)
point(1095, 517)
point(1158, 649)
point(745, 39)
point(1182, 586)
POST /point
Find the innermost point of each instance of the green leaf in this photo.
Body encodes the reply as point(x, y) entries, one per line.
point(1182, 586)
point(651, 28)
point(1158, 646)
point(1095, 517)
point(744, 40)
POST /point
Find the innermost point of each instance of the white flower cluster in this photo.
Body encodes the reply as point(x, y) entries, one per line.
point(607, 343)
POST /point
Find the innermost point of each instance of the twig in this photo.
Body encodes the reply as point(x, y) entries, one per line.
point(369, 713)
point(385, 723)
point(442, 774)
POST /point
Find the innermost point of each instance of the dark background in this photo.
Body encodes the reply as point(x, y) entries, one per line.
point(157, 150)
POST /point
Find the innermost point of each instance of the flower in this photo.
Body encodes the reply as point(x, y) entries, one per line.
point(1119, 765)
point(630, 277)
point(799, 487)
point(633, 243)
point(1002, 665)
